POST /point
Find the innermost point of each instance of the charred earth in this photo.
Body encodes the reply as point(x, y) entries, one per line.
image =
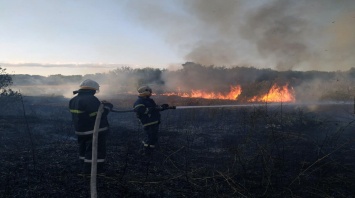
point(264, 150)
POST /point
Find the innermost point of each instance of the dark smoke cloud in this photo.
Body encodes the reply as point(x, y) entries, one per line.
point(280, 34)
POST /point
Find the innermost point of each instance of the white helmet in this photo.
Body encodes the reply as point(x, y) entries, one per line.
point(90, 84)
point(144, 91)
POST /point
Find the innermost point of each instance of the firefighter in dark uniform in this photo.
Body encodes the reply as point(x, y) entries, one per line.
point(148, 112)
point(84, 107)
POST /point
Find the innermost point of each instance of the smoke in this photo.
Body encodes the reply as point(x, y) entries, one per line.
point(277, 34)
point(212, 79)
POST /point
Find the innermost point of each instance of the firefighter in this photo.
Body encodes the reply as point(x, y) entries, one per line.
point(84, 107)
point(148, 112)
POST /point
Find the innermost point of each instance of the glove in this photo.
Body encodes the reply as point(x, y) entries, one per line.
point(164, 106)
point(107, 105)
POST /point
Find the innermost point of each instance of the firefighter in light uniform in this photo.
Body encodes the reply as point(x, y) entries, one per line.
point(84, 107)
point(148, 112)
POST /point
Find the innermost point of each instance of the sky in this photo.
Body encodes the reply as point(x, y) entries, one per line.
point(77, 37)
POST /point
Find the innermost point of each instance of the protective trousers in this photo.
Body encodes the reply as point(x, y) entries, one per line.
point(151, 137)
point(85, 151)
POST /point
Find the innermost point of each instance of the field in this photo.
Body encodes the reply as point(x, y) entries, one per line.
point(267, 150)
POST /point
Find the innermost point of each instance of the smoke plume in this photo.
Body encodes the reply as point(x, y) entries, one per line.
point(277, 34)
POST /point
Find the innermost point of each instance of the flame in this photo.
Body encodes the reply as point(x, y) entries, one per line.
point(233, 94)
point(276, 94)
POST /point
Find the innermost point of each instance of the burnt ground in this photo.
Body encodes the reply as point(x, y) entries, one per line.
point(253, 151)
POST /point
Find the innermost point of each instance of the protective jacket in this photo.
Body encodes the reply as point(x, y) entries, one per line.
point(147, 111)
point(84, 107)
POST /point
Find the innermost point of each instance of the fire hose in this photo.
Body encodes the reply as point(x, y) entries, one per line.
point(93, 178)
point(131, 110)
point(193, 107)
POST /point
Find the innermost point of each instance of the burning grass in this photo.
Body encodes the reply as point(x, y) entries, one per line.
point(276, 93)
point(251, 151)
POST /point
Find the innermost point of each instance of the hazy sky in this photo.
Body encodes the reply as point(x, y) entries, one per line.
point(87, 36)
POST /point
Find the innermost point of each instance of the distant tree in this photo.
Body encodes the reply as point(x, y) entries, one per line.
point(122, 79)
point(5, 82)
point(127, 79)
point(5, 79)
point(149, 76)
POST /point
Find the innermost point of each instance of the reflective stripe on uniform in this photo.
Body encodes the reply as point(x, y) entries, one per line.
point(76, 111)
point(139, 105)
point(150, 123)
point(90, 132)
point(147, 145)
point(93, 114)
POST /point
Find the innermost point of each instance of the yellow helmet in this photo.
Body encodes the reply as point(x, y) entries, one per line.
point(144, 91)
point(90, 84)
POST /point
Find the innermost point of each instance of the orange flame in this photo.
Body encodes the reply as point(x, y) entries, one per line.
point(276, 94)
point(234, 92)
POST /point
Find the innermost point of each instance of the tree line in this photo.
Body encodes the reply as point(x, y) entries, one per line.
point(192, 76)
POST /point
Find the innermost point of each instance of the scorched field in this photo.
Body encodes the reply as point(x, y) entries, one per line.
point(254, 150)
